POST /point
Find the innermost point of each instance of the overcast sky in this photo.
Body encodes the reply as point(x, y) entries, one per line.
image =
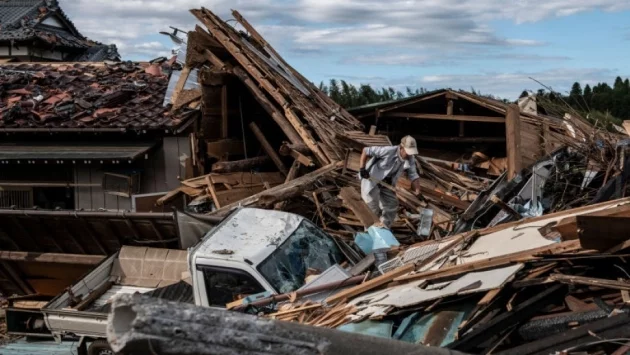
point(493, 46)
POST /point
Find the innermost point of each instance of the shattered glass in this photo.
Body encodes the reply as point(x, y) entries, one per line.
point(307, 248)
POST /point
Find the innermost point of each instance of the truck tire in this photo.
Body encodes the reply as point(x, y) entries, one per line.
point(100, 347)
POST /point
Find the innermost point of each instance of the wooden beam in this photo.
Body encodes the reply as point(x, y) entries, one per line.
point(371, 284)
point(218, 64)
point(409, 101)
point(458, 139)
point(224, 112)
point(590, 281)
point(282, 192)
point(546, 146)
point(293, 172)
point(271, 109)
point(505, 207)
point(286, 148)
point(353, 201)
point(372, 130)
point(513, 140)
point(268, 148)
point(239, 165)
point(213, 192)
point(449, 108)
point(428, 116)
point(181, 82)
point(443, 198)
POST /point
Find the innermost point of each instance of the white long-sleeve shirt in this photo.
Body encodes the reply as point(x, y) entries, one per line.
point(386, 161)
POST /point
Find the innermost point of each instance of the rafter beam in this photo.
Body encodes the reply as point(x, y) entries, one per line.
point(428, 116)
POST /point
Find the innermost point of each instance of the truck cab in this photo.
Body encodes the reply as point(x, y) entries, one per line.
point(254, 251)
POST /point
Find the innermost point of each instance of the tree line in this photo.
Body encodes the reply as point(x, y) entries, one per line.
point(348, 95)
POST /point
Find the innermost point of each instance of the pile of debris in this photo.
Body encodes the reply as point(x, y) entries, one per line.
point(309, 147)
point(525, 264)
point(546, 284)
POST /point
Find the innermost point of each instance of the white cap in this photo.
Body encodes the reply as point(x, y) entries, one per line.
point(409, 143)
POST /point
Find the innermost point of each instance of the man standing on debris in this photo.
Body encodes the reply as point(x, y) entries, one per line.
point(386, 164)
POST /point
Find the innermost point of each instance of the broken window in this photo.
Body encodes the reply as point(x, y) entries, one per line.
point(224, 285)
point(125, 184)
point(307, 248)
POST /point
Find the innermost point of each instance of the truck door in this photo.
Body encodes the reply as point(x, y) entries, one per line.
point(224, 285)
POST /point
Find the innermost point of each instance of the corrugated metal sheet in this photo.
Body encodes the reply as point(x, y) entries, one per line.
point(73, 151)
point(36, 347)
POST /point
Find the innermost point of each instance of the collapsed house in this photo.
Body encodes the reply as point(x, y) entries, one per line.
point(40, 31)
point(477, 132)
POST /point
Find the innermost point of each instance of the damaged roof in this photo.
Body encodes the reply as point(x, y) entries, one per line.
point(27, 20)
point(86, 96)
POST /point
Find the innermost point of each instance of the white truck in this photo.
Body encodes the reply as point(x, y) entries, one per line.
point(252, 251)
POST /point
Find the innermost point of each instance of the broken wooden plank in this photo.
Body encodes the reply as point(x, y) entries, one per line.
point(371, 284)
point(181, 82)
point(239, 165)
point(355, 203)
point(505, 207)
point(282, 192)
point(213, 192)
point(591, 281)
point(293, 172)
point(513, 143)
point(268, 148)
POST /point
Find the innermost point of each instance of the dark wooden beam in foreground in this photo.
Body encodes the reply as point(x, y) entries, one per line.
point(147, 325)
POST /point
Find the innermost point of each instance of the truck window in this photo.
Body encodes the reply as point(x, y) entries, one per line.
point(307, 248)
point(225, 285)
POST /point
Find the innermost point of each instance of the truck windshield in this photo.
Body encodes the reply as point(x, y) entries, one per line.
point(307, 248)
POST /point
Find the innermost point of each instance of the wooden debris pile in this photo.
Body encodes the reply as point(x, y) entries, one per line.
point(271, 139)
point(554, 283)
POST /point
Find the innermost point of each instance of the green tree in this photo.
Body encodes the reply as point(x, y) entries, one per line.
point(334, 92)
point(588, 94)
point(576, 90)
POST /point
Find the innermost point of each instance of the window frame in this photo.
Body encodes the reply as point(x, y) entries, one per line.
point(211, 268)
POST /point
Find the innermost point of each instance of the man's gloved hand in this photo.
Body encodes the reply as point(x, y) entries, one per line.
point(364, 173)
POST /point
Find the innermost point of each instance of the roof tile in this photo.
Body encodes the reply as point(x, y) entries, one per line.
point(63, 96)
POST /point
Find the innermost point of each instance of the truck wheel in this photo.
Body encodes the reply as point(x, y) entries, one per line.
point(100, 347)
